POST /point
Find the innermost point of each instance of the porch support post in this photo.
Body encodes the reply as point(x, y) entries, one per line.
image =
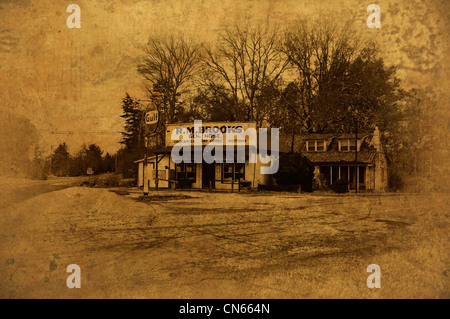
point(156, 177)
point(357, 177)
point(348, 176)
point(331, 175)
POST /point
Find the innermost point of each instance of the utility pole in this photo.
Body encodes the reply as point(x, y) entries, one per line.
point(144, 169)
point(51, 158)
point(356, 156)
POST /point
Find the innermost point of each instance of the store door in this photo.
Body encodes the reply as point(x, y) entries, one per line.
point(208, 175)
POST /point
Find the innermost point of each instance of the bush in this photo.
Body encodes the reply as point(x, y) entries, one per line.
point(395, 181)
point(128, 182)
point(340, 186)
point(295, 170)
point(111, 181)
point(320, 183)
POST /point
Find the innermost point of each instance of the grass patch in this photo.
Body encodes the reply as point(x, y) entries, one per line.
point(159, 198)
point(120, 192)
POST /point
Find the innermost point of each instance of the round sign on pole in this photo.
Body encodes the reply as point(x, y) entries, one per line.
point(151, 118)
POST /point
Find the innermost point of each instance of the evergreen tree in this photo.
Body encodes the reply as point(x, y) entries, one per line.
point(94, 157)
point(61, 160)
point(132, 137)
point(107, 163)
point(132, 113)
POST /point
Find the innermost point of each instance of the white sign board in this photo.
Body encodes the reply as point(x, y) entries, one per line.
point(207, 131)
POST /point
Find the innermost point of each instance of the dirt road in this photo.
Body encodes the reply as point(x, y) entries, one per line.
point(14, 190)
point(223, 245)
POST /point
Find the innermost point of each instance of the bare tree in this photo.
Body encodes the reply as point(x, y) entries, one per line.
point(336, 70)
point(169, 65)
point(245, 63)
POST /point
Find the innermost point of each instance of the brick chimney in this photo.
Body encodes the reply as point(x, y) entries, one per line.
point(376, 138)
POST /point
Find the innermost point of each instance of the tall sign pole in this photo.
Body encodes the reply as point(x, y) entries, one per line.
point(144, 169)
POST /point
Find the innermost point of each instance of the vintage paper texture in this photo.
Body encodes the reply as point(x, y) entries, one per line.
point(66, 85)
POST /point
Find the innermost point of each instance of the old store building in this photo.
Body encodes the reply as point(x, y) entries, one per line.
point(216, 175)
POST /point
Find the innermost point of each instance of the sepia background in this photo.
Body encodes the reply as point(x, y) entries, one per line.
point(66, 85)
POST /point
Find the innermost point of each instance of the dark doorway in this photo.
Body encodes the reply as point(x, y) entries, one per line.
point(208, 175)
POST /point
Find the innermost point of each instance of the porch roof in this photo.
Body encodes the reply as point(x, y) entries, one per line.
point(364, 157)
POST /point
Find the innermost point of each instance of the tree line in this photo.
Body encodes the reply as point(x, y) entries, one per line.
point(88, 160)
point(312, 77)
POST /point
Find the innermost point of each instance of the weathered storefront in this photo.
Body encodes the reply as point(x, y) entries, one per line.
point(161, 171)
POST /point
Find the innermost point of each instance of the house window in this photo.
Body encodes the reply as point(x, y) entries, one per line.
point(233, 171)
point(315, 145)
point(320, 145)
point(343, 145)
point(347, 145)
point(352, 144)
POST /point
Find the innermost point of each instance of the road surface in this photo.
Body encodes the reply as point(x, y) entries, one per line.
point(221, 245)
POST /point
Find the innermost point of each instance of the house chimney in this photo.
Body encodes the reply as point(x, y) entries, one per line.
point(376, 138)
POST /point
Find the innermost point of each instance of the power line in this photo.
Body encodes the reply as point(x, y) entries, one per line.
point(79, 132)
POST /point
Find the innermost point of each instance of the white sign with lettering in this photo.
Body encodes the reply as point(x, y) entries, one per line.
point(208, 132)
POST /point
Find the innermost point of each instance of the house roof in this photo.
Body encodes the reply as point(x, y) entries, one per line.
point(366, 153)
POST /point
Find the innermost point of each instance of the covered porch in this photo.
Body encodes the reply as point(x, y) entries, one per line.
point(357, 176)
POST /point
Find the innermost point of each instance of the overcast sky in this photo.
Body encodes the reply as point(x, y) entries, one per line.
point(74, 79)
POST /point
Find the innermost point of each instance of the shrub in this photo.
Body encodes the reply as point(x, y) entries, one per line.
point(295, 169)
point(111, 181)
point(395, 181)
point(340, 186)
point(128, 182)
point(320, 183)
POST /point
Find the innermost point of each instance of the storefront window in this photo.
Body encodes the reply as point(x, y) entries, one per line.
point(227, 170)
point(190, 171)
point(186, 171)
point(233, 171)
point(239, 171)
